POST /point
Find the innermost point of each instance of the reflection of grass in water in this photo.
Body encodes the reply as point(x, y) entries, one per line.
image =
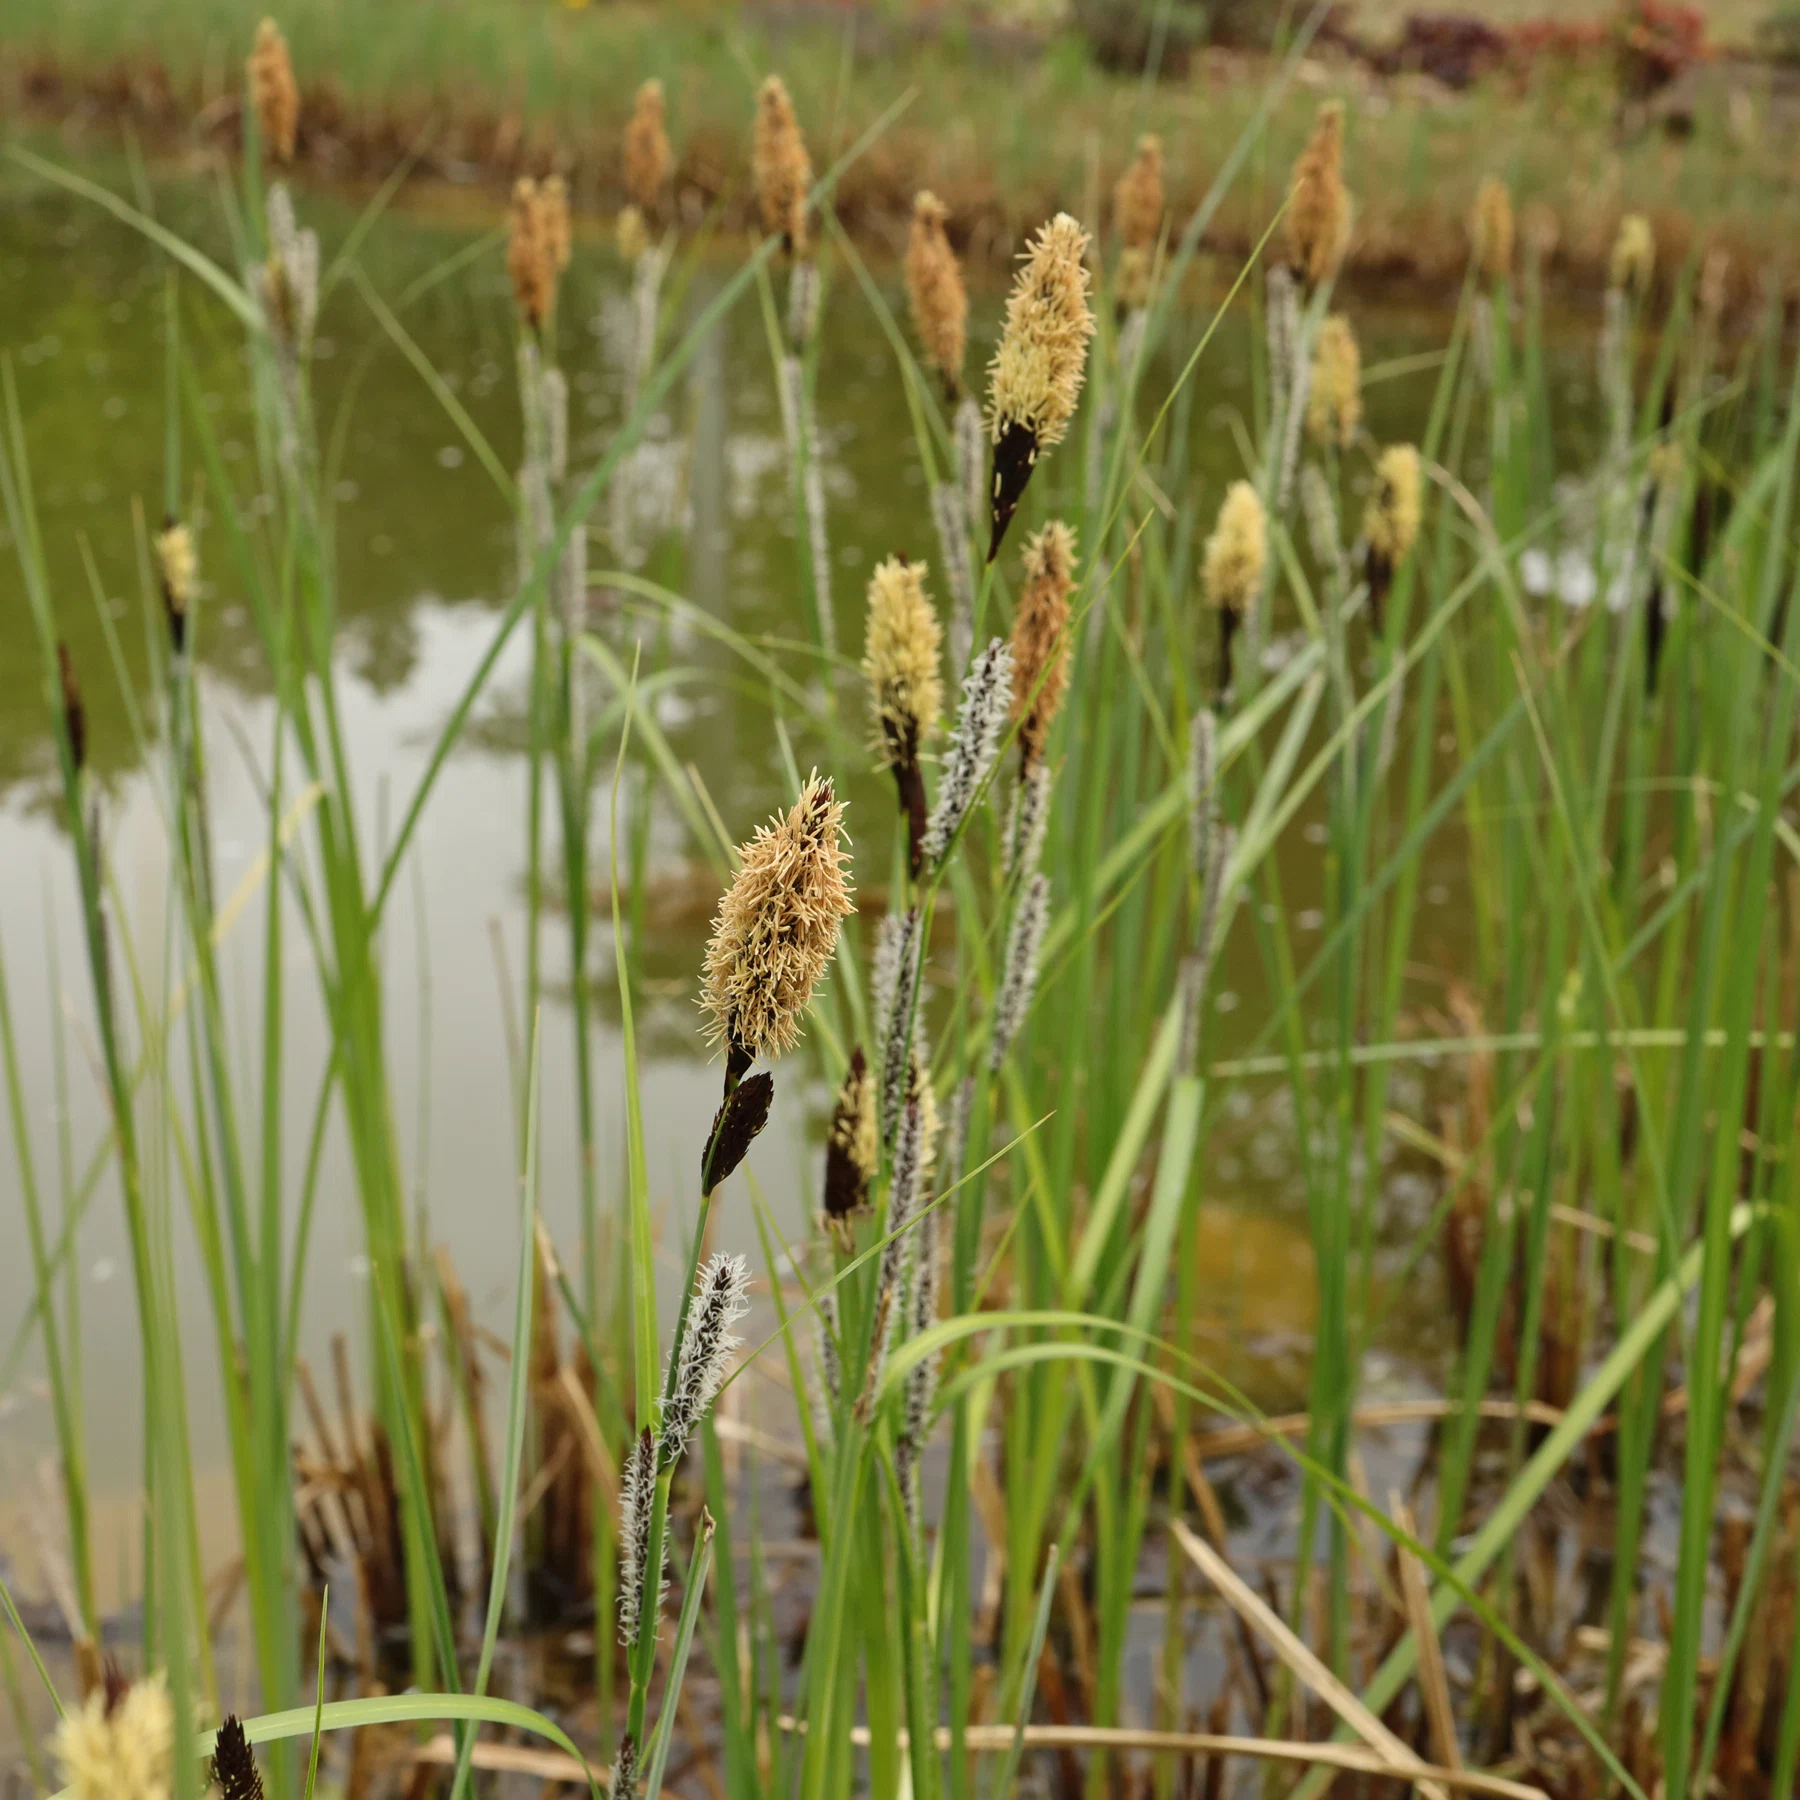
point(1617, 1011)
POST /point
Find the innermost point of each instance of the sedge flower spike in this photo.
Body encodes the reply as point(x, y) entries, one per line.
point(1035, 378)
point(176, 565)
point(1040, 638)
point(530, 260)
point(901, 655)
point(781, 166)
point(1138, 203)
point(1492, 229)
point(1318, 217)
point(1633, 260)
point(776, 929)
point(273, 91)
point(1024, 942)
point(935, 293)
point(895, 980)
point(235, 1773)
point(987, 697)
point(648, 158)
point(1334, 393)
point(637, 1492)
point(119, 1744)
point(1231, 571)
point(852, 1145)
point(1391, 523)
point(704, 1359)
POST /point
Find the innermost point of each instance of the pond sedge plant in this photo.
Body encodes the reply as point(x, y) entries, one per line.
point(1423, 946)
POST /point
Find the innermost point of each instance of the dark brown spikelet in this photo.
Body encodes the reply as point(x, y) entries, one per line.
point(273, 91)
point(851, 1147)
point(234, 1765)
point(74, 714)
point(735, 1125)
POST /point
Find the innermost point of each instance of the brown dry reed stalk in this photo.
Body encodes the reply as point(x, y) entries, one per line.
point(1035, 378)
point(1318, 219)
point(934, 290)
point(1232, 567)
point(530, 254)
point(273, 91)
point(1138, 201)
point(1040, 639)
point(1491, 229)
point(776, 930)
point(1334, 394)
point(1391, 522)
point(176, 566)
point(901, 655)
point(648, 159)
point(781, 167)
point(119, 1744)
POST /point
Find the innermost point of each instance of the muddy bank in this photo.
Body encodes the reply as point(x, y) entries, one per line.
point(1409, 235)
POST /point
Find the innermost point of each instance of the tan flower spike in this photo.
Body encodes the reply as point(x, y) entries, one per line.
point(648, 159)
point(782, 169)
point(120, 1743)
point(852, 1146)
point(1040, 638)
point(901, 653)
point(776, 930)
point(530, 254)
point(1231, 572)
point(1391, 523)
point(1318, 219)
point(1138, 202)
point(1633, 256)
point(176, 564)
point(934, 290)
point(1492, 229)
point(1334, 395)
point(1035, 378)
point(273, 91)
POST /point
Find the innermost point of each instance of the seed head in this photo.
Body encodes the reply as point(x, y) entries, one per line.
point(1024, 940)
point(631, 236)
point(1040, 637)
point(987, 697)
point(1030, 821)
point(852, 1146)
point(119, 1744)
point(273, 91)
point(900, 661)
point(624, 1783)
point(1138, 203)
point(782, 169)
point(637, 1492)
point(777, 927)
point(1492, 228)
point(934, 290)
point(895, 979)
point(176, 565)
point(1237, 552)
point(1035, 378)
point(553, 197)
point(720, 1300)
point(1633, 256)
point(234, 1764)
point(648, 159)
point(1318, 218)
point(1391, 523)
point(530, 256)
point(1334, 394)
